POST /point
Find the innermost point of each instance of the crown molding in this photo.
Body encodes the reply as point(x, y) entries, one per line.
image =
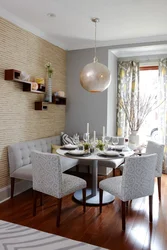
point(26, 26)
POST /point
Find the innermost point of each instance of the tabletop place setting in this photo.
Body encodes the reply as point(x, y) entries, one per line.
point(104, 146)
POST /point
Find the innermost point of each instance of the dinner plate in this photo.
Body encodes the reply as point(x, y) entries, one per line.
point(109, 156)
point(76, 152)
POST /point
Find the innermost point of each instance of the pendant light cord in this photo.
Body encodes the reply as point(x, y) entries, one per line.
point(95, 58)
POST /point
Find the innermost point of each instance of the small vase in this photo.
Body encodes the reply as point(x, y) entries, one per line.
point(48, 96)
point(133, 139)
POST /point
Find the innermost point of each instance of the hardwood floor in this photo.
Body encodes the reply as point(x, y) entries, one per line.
point(102, 230)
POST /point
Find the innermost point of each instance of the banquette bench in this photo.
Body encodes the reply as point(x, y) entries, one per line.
point(19, 156)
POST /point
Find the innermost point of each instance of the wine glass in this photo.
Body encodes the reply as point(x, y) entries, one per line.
point(86, 137)
point(115, 140)
point(106, 141)
point(93, 143)
point(76, 140)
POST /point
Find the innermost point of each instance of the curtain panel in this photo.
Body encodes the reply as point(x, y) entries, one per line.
point(128, 88)
point(162, 110)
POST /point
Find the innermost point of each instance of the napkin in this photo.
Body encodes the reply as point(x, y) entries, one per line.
point(70, 146)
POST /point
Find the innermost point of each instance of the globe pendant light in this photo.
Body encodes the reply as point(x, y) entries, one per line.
point(95, 77)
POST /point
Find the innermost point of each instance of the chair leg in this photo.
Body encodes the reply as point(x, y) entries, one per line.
point(123, 215)
point(101, 199)
point(84, 199)
point(150, 208)
point(77, 168)
point(41, 199)
point(159, 187)
point(34, 202)
point(59, 212)
point(12, 187)
point(113, 172)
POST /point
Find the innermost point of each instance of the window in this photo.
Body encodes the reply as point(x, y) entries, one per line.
point(148, 84)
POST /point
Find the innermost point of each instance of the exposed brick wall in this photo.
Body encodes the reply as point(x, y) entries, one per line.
point(19, 121)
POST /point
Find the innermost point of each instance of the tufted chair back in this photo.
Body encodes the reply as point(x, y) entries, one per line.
point(138, 176)
point(46, 172)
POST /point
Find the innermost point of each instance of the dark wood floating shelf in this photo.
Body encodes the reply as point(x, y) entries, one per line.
point(59, 100)
point(13, 75)
point(43, 105)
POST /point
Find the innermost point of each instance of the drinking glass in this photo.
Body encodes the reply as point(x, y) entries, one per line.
point(86, 137)
point(76, 139)
point(115, 140)
point(93, 144)
point(106, 141)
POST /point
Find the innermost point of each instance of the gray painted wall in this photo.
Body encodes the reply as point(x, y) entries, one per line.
point(82, 106)
point(112, 96)
point(97, 109)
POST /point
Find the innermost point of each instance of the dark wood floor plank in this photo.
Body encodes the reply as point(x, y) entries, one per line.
point(104, 229)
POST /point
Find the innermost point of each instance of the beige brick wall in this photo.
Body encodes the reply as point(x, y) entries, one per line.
point(19, 121)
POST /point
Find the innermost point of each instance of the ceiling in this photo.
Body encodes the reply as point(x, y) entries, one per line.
point(121, 21)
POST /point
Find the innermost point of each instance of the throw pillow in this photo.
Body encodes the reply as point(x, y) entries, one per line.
point(54, 148)
point(66, 139)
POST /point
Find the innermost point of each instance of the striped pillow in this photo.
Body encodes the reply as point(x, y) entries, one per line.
point(66, 139)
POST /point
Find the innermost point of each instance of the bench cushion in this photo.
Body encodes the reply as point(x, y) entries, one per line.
point(24, 173)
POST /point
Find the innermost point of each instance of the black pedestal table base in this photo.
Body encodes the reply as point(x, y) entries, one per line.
point(93, 199)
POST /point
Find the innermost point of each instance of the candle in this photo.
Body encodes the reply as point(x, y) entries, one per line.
point(103, 131)
point(94, 136)
point(88, 128)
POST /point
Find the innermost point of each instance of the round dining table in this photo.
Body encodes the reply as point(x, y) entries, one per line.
point(92, 194)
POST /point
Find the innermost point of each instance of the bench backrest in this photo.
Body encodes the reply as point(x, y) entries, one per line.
point(19, 154)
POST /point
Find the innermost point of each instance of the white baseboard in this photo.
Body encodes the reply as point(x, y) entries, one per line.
point(20, 187)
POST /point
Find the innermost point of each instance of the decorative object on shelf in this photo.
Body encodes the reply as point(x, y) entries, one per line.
point(41, 83)
point(95, 77)
point(59, 100)
point(14, 75)
point(24, 76)
point(49, 69)
point(34, 85)
point(59, 93)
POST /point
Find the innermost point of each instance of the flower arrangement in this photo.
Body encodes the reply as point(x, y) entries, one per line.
point(100, 145)
point(86, 145)
point(49, 69)
point(137, 110)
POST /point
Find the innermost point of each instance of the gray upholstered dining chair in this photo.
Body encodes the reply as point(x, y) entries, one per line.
point(137, 181)
point(154, 147)
point(49, 179)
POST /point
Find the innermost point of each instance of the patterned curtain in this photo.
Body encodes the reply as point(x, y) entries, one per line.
point(128, 87)
point(162, 110)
